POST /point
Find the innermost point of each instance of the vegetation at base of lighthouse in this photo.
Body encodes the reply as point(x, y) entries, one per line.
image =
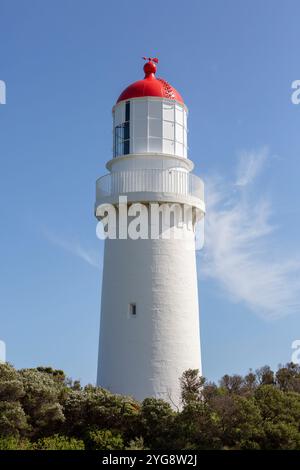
point(42, 409)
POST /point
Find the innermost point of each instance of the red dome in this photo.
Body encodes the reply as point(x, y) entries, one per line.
point(150, 86)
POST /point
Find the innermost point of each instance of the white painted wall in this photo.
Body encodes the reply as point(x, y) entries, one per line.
point(145, 355)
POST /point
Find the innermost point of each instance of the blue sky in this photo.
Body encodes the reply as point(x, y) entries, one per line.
point(64, 64)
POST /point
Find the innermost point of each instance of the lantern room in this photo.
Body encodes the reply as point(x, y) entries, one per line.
point(150, 117)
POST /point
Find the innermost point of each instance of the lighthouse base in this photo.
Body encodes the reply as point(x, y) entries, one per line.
point(149, 331)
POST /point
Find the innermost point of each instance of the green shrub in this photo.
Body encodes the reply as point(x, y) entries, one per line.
point(104, 439)
point(12, 419)
point(58, 442)
point(136, 444)
point(14, 443)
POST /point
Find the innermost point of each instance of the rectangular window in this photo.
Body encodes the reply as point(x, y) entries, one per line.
point(119, 137)
point(122, 135)
point(126, 130)
point(127, 111)
point(132, 309)
point(126, 147)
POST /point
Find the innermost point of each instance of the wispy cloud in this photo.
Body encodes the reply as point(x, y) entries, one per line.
point(250, 165)
point(238, 251)
point(73, 247)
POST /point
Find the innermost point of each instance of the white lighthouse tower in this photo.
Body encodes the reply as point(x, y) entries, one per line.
point(149, 329)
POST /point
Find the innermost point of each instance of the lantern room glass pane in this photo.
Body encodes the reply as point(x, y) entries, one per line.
point(126, 130)
point(179, 114)
point(155, 109)
point(168, 111)
point(140, 128)
point(168, 146)
point(119, 113)
point(140, 145)
point(127, 111)
point(168, 130)
point(126, 147)
point(185, 119)
point(140, 109)
point(179, 133)
point(121, 140)
point(179, 149)
point(155, 128)
point(155, 145)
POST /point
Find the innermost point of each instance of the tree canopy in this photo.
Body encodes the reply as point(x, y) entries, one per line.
point(43, 409)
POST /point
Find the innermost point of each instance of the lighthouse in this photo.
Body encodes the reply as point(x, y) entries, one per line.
point(149, 327)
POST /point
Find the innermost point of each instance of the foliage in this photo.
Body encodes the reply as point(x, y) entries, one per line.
point(104, 439)
point(136, 444)
point(58, 442)
point(94, 407)
point(191, 384)
point(156, 423)
point(42, 409)
point(13, 420)
point(42, 401)
point(14, 443)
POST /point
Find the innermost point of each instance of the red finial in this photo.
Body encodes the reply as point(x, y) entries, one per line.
point(150, 67)
point(150, 85)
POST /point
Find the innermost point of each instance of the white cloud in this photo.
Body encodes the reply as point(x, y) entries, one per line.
point(73, 247)
point(250, 165)
point(238, 250)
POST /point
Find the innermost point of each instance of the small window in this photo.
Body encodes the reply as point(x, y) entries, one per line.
point(132, 309)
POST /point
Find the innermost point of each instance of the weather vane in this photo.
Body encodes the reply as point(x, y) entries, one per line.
point(151, 59)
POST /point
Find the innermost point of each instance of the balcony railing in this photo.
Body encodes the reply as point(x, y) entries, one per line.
point(172, 182)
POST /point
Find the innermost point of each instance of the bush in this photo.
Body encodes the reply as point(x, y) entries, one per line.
point(14, 443)
point(136, 444)
point(157, 423)
point(58, 442)
point(12, 419)
point(41, 402)
point(104, 439)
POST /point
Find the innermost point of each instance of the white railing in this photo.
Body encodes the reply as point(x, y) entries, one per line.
point(151, 180)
